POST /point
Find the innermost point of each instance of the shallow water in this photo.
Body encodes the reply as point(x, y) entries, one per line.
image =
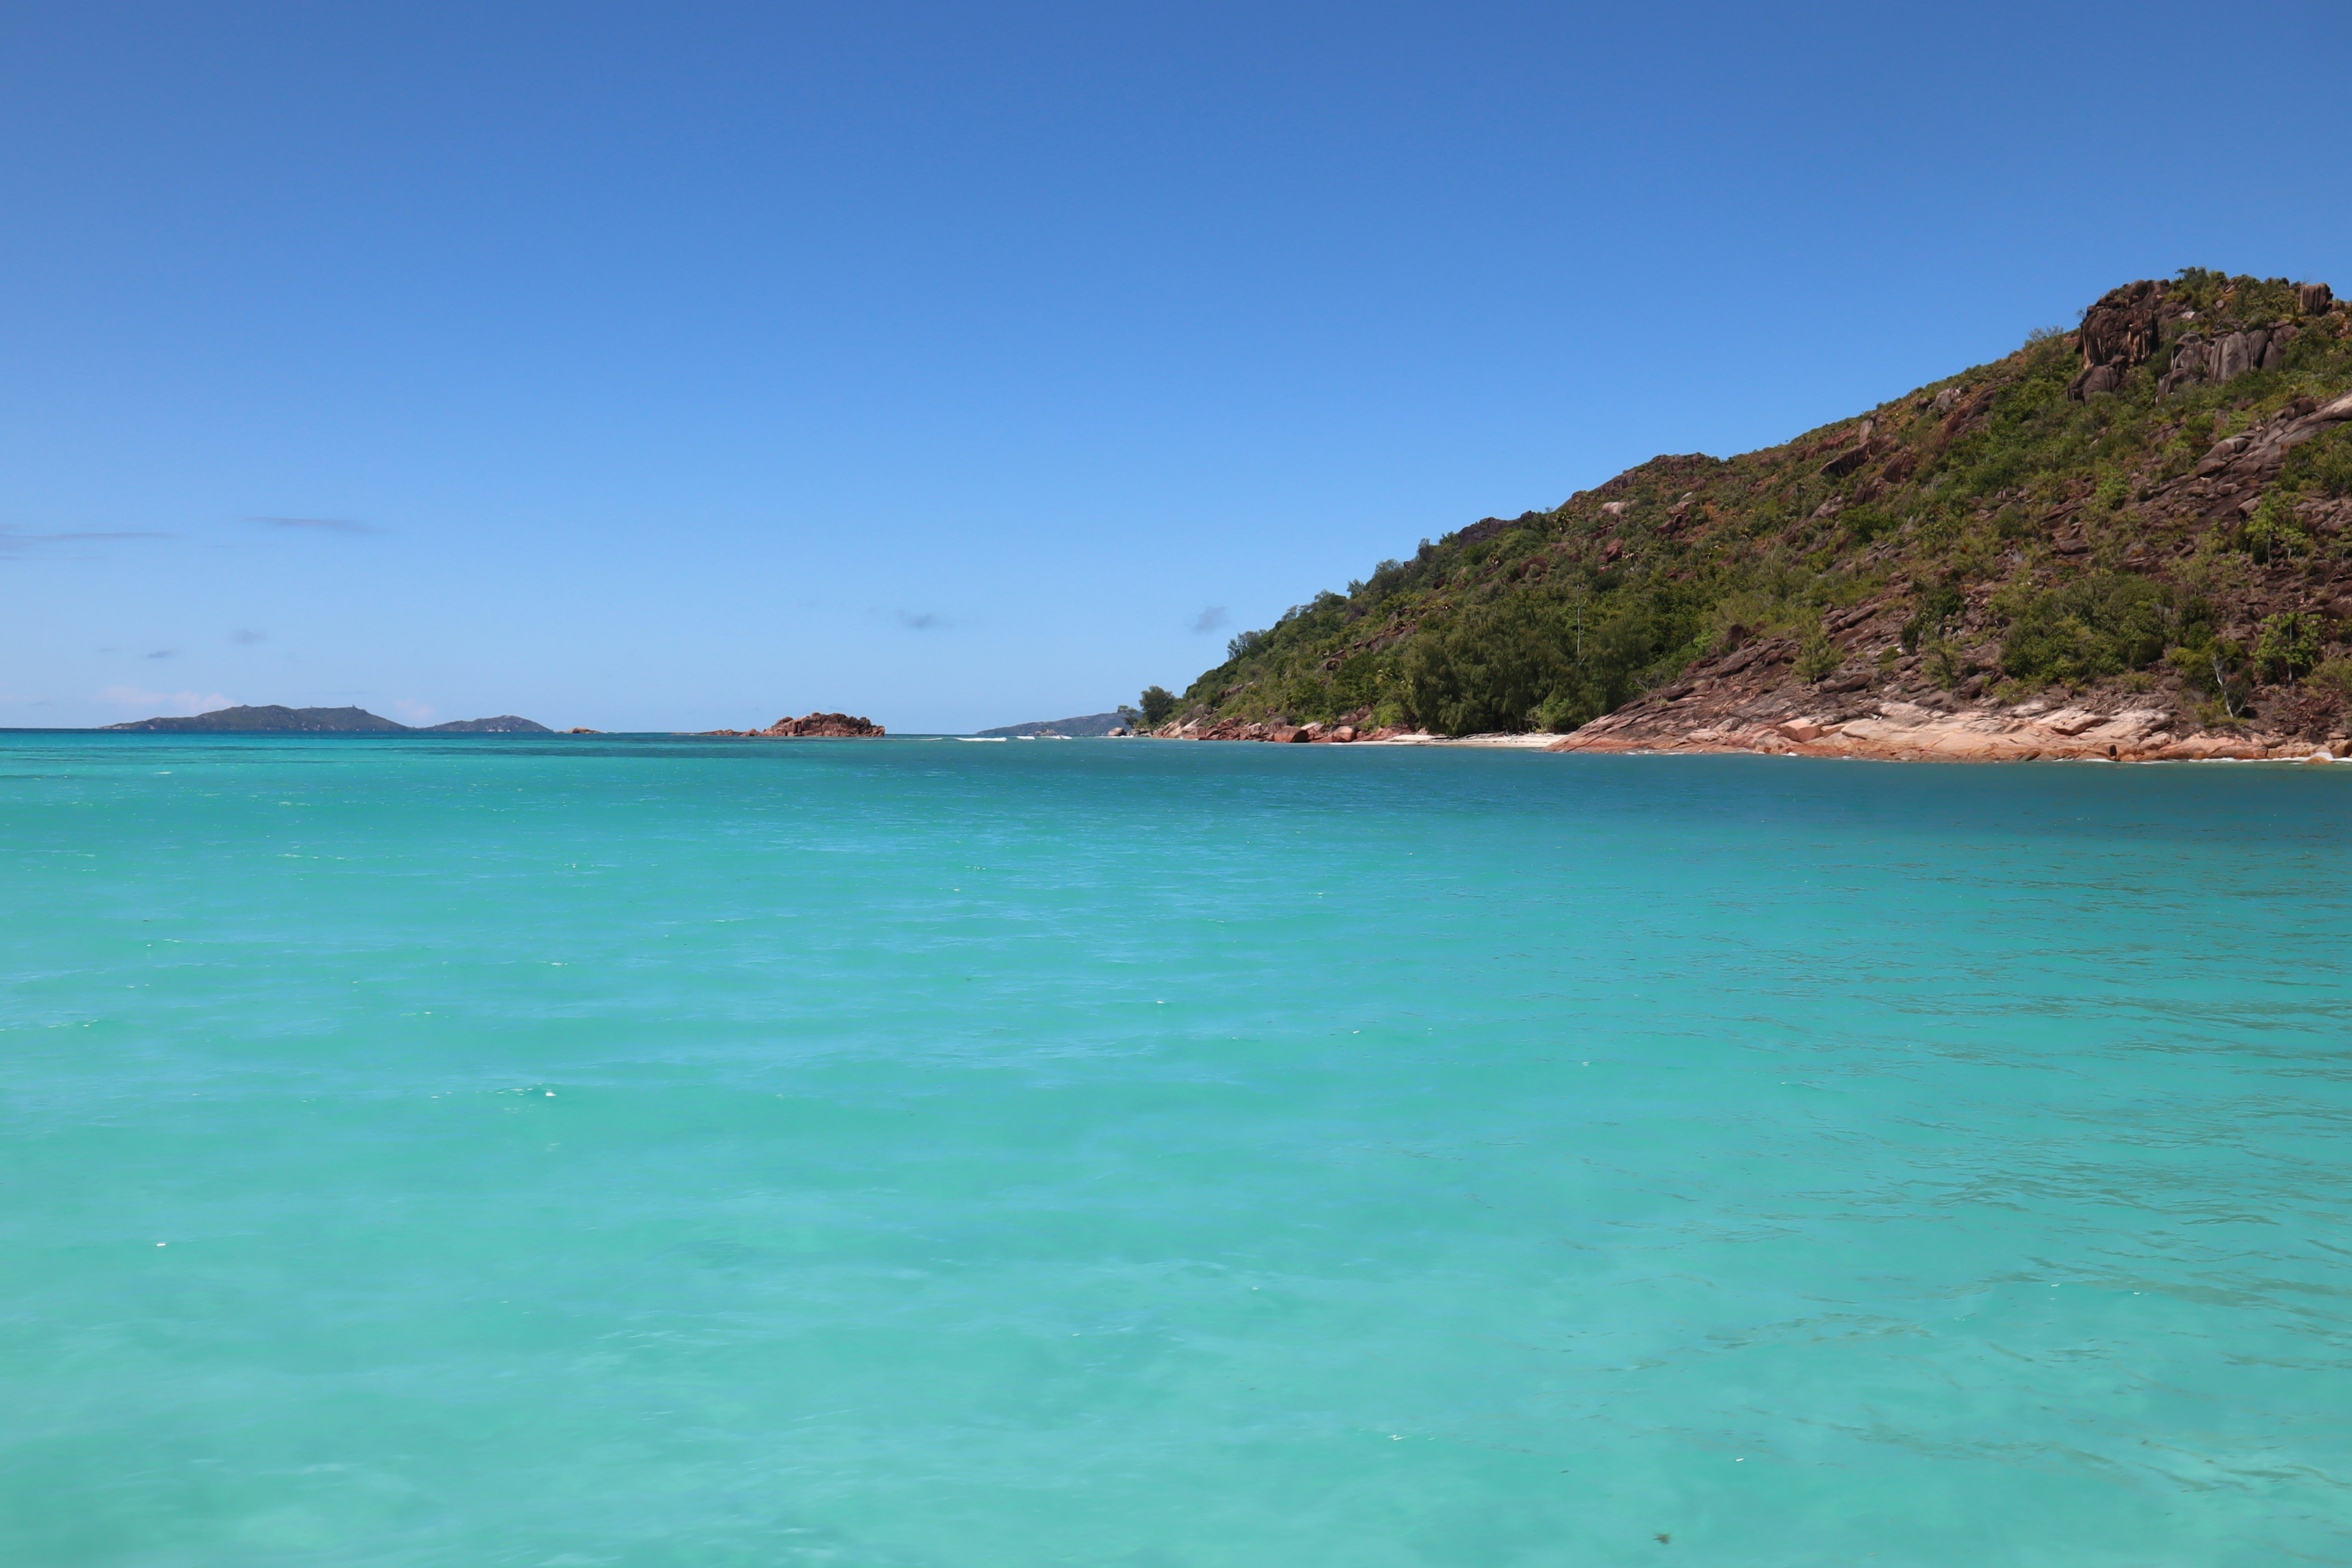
point(643, 1151)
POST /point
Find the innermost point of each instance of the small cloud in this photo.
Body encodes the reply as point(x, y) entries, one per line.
point(318, 524)
point(413, 712)
point(163, 653)
point(1212, 619)
point(922, 621)
point(15, 542)
point(244, 638)
point(170, 704)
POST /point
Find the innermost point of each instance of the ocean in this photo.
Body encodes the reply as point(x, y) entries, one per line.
point(658, 1151)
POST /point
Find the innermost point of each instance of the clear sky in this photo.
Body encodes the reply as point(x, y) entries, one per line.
point(672, 366)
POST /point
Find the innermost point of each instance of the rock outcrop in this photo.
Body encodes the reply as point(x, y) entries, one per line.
point(1821, 724)
point(1340, 734)
point(2119, 331)
point(811, 726)
point(2197, 358)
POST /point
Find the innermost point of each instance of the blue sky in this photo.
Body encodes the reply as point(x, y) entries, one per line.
point(662, 367)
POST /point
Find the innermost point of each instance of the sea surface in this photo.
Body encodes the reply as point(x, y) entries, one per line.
point(605, 1151)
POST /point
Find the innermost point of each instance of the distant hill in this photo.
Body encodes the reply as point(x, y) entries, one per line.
point(504, 724)
point(272, 719)
point(1084, 728)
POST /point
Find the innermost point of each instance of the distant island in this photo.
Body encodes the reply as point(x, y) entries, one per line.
point(272, 719)
point(1084, 728)
point(810, 726)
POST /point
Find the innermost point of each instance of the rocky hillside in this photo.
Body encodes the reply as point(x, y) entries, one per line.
point(2130, 540)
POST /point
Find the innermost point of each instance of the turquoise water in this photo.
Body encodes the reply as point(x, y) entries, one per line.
point(640, 1151)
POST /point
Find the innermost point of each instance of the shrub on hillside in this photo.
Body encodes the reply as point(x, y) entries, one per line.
point(2100, 626)
point(2324, 464)
point(2289, 644)
point(1531, 661)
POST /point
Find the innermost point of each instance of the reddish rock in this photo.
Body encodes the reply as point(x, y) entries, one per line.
point(2119, 332)
point(813, 726)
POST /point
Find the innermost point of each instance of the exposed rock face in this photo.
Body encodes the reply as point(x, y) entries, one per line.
point(2257, 454)
point(1909, 731)
point(2226, 358)
point(2098, 379)
point(813, 726)
point(1338, 734)
point(2119, 332)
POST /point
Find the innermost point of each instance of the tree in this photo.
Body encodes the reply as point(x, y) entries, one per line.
point(2289, 644)
point(1157, 703)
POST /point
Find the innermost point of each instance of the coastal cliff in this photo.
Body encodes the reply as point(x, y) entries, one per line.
point(2132, 540)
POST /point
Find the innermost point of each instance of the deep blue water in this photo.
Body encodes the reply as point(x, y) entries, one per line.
point(642, 1151)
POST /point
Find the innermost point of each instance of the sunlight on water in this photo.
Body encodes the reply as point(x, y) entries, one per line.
point(653, 1152)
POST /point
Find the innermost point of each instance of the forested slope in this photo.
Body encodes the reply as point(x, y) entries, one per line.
point(2156, 507)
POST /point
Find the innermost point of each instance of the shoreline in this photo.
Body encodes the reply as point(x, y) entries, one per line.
point(1895, 731)
point(1891, 731)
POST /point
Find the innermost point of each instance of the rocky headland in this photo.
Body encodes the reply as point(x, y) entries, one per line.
point(2132, 542)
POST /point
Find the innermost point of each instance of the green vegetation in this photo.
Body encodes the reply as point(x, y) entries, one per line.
point(1157, 704)
point(2094, 626)
point(2017, 534)
point(2289, 646)
point(2324, 466)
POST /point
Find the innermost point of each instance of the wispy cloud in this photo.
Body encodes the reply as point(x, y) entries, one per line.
point(318, 524)
point(1212, 619)
point(414, 712)
point(244, 638)
point(921, 620)
point(162, 704)
point(163, 653)
point(17, 542)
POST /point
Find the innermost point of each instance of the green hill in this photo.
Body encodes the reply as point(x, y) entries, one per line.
point(504, 724)
point(2156, 505)
point(1086, 726)
point(272, 719)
